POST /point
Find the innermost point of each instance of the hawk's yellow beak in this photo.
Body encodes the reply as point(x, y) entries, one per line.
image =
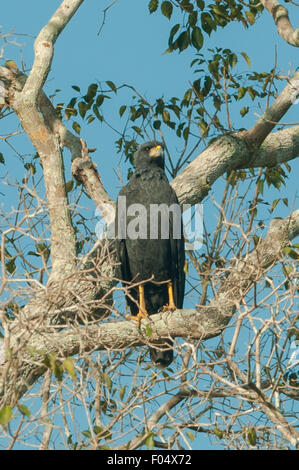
point(156, 151)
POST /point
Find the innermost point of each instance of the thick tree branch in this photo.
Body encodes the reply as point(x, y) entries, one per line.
point(203, 323)
point(231, 153)
point(24, 103)
point(244, 150)
point(44, 49)
point(63, 242)
point(83, 169)
point(281, 17)
point(279, 147)
point(257, 134)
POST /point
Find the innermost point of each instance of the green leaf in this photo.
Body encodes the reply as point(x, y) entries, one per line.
point(97, 113)
point(100, 100)
point(190, 435)
point(57, 370)
point(69, 186)
point(241, 92)
point(11, 266)
point(250, 17)
point(77, 128)
point(186, 133)
point(43, 250)
point(197, 38)
point(83, 108)
point(218, 432)
point(160, 106)
point(252, 93)
point(246, 58)
point(292, 253)
point(30, 167)
point(148, 331)
point(251, 436)
point(165, 116)
point(122, 391)
point(186, 266)
point(111, 85)
point(255, 238)
point(233, 60)
point(197, 85)
point(192, 20)
point(167, 9)
point(75, 87)
point(173, 31)
point(149, 442)
point(176, 110)
point(97, 429)
point(274, 204)
point(5, 415)
point(207, 85)
point(157, 124)
point(107, 380)
point(200, 4)
point(70, 110)
point(137, 130)
point(2, 158)
point(260, 186)
point(24, 410)
point(183, 40)
point(122, 110)
point(244, 111)
point(153, 5)
point(207, 22)
point(91, 92)
point(69, 366)
point(11, 65)
point(187, 96)
point(203, 127)
point(287, 269)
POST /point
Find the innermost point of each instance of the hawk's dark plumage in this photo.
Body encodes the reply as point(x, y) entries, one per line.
point(159, 259)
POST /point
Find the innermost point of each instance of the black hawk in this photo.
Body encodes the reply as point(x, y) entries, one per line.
point(150, 245)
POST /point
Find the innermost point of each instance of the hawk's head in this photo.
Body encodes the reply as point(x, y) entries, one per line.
point(149, 154)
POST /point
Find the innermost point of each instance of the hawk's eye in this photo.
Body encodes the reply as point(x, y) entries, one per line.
point(147, 149)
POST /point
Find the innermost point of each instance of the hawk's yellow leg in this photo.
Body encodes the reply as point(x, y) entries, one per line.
point(171, 305)
point(142, 313)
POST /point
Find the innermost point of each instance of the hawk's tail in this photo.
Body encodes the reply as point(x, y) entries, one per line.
point(162, 353)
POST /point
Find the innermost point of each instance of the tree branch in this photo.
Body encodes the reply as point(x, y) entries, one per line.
point(44, 50)
point(281, 17)
point(24, 103)
point(274, 113)
point(203, 323)
point(242, 150)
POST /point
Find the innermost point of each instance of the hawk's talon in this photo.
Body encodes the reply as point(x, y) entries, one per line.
point(171, 305)
point(140, 316)
point(142, 309)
